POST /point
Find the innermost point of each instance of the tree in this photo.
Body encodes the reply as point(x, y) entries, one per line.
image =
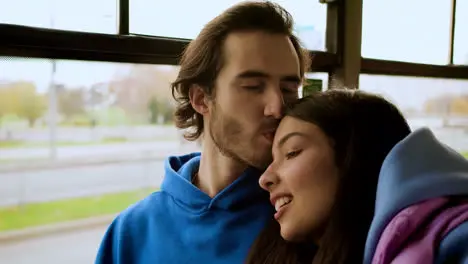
point(97, 95)
point(160, 109)
point(167, 111)
point(446, 105)
point(25, 102)
point(5, 101)
point(153, 109)
point(459, 105)
point(70, 101)
point(439, 105)
point(145, 89)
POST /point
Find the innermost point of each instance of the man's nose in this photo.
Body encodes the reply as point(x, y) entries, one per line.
point(274, 104)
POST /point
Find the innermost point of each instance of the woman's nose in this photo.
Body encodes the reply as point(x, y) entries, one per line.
point(268, 180)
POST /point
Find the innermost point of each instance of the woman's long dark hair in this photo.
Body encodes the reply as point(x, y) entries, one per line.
point(364, 128)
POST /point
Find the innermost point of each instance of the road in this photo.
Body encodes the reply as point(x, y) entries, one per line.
point(75, 247)
point(86, 134)
point(24, 186)
point(93, 150)
point(116, 168)
point(45, 185)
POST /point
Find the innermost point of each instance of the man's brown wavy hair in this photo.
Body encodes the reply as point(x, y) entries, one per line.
point(203, 58)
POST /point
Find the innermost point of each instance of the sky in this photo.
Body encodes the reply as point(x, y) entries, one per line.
point(414, 30)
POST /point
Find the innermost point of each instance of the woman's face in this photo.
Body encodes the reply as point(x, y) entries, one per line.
point(302, 180)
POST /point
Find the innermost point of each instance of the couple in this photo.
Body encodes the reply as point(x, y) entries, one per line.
point(342, 174)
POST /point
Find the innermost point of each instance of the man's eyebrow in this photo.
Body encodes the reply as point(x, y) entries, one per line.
point(259, 74)
point(288, 136)
point(291, 78)
point(252, 74)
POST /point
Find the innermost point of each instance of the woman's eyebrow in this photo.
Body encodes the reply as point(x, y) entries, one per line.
point(288, 136)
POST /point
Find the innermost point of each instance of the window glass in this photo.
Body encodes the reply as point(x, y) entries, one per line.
point(460, 55)
point(440, 104)
point(77, 15)
point(78, 148)
point(411, 31)
point(185, 19)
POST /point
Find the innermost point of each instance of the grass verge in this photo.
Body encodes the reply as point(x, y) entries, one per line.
point(36, 214)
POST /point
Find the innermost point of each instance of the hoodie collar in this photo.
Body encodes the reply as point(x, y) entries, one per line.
point(177, 182)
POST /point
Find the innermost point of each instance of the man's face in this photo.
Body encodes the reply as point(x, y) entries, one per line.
point(260, 75)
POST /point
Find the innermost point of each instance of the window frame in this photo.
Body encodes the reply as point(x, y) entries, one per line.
point(342, 61)
point(448, 71)
point(342, 19)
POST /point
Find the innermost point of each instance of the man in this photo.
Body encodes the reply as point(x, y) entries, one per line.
point(234, 81)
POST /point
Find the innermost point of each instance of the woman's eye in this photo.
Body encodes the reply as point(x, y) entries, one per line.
point(293, 154)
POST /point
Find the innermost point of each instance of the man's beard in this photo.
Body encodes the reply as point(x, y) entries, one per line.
point(223, 130)
point(227, 134)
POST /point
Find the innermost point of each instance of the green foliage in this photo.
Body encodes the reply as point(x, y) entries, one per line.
point(113, 116)
point(153, 107)
point(70, 102)
point(77, 121)
point(21, 99)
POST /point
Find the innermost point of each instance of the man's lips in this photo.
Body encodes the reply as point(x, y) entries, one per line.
point(269, 135)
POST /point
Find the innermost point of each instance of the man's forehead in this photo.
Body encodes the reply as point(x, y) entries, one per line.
point(245, 42)
point(258, 51)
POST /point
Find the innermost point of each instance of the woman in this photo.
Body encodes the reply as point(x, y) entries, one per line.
point(324, 183)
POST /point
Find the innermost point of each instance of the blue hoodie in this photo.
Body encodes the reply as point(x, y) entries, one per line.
point(181, 224)
point(419, 168)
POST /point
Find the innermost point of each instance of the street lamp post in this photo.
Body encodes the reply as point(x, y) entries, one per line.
point(52, 99)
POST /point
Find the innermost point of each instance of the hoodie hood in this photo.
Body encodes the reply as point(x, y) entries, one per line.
point(177, 183)
point(418, 168)
point(181, 224)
